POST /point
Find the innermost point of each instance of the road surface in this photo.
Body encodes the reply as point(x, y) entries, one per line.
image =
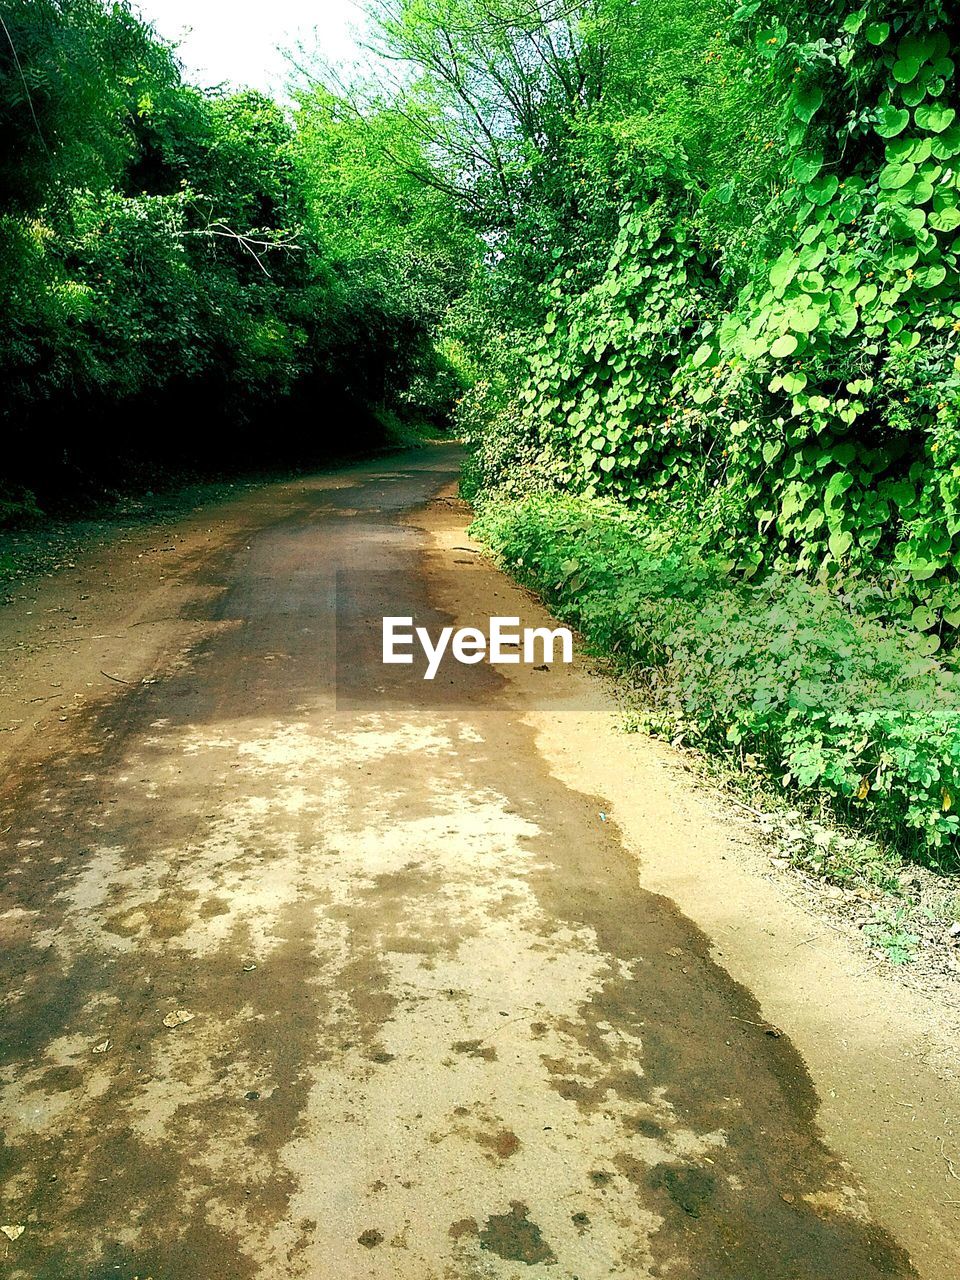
point(311, 970)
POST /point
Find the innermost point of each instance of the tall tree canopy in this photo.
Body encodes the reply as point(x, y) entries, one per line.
point(184, 261)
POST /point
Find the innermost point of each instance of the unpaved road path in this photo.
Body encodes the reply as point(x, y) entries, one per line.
point(444, 1022)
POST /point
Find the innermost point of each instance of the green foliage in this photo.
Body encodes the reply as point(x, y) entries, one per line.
point(892, 935)
point(827, 701)
point(84, 91)
point(783, 372)
point(172, 266)
point(849, 861)
point(378, 206)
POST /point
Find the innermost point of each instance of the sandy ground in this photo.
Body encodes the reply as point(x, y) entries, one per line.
point(311, 969)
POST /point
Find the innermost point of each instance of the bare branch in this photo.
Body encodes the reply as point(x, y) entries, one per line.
point(254, 242)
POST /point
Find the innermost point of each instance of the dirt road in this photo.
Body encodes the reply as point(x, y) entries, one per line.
point(313, 971)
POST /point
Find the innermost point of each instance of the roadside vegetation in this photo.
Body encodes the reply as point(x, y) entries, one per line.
point(776, 672)
point(718, 427)
point(683, 275)
point(198, 279)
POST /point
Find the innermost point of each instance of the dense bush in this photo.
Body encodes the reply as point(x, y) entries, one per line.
point(781, 671)
point(172, 277)
point(787, 378)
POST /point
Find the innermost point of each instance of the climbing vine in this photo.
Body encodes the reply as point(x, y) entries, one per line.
point(797, 390)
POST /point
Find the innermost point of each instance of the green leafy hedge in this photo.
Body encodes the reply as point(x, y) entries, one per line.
point(830, 703)
point(789, 379)
point(176, 286)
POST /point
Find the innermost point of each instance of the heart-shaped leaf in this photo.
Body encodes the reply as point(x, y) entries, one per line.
point(840, 543)
point(785, 345)
point(806, 168)
point(822, 189)
point(807, 102)
point(905, 70)
point(935, 117)
point(891, 121)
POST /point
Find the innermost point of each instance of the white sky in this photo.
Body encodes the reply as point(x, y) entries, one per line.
point(236, 40)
